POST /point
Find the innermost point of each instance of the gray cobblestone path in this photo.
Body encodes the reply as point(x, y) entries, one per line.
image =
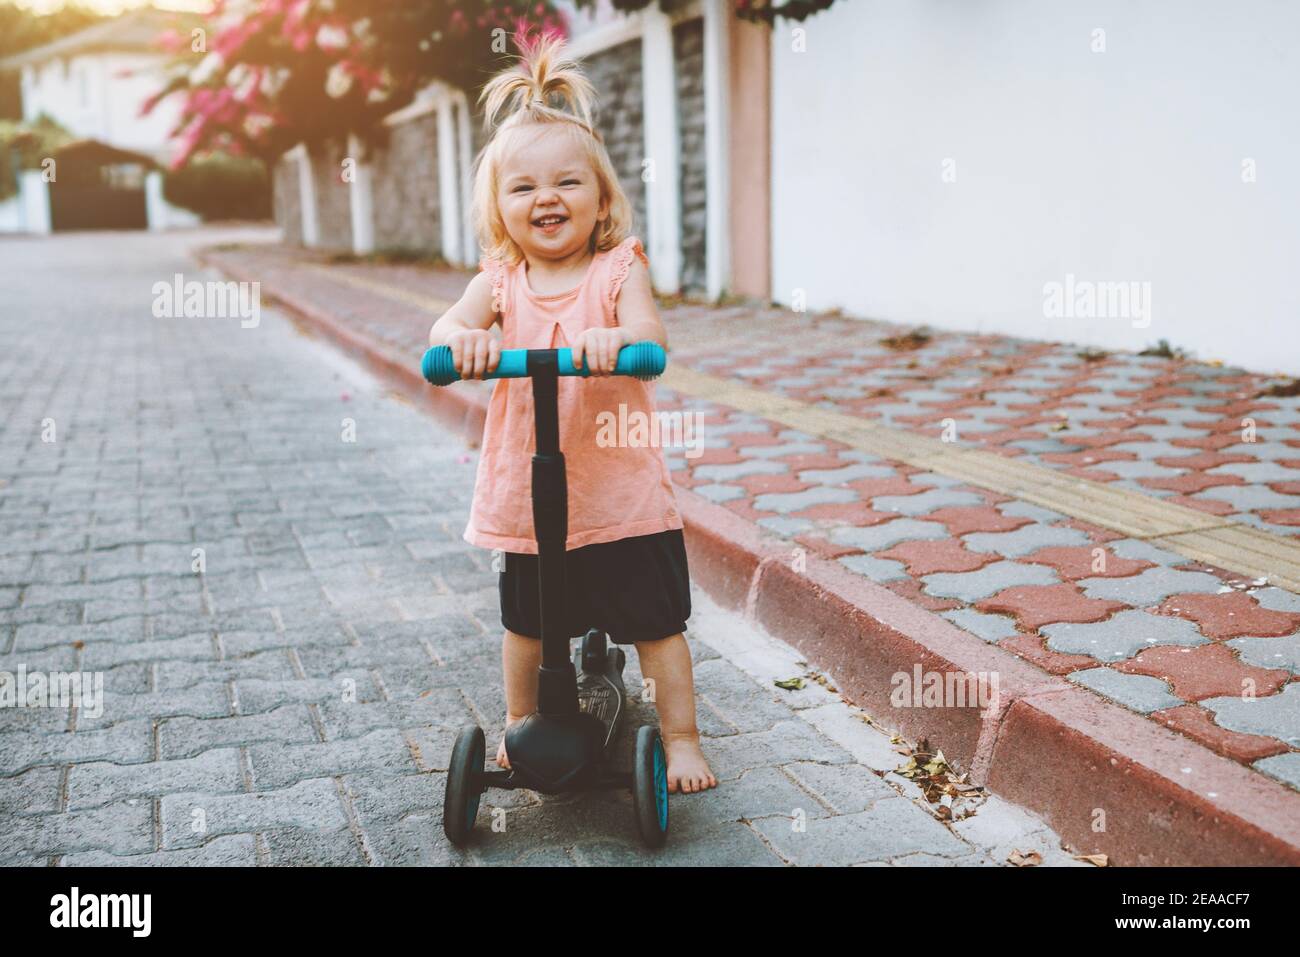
point(295, 702)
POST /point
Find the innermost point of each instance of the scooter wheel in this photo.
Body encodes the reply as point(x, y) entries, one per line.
point(464, 785)
point(650, 786)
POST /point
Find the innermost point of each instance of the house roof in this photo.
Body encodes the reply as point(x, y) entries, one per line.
point(133, 31)
point(99, 153)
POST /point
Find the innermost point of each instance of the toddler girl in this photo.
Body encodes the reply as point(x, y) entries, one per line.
point(559, 269)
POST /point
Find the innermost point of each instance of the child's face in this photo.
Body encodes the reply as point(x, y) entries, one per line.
point(548, 195)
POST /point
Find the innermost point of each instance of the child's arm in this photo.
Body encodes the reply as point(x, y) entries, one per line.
point(635, 308)
point(466, 328)
point(637, 318)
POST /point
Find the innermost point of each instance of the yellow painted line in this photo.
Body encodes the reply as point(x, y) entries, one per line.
point(1194, 534)
point(396, 293)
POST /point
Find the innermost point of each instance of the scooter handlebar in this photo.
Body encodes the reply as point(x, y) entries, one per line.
point(643, 360)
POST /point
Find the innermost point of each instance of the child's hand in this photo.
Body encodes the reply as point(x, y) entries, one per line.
point(601, 347)
point(474, 351)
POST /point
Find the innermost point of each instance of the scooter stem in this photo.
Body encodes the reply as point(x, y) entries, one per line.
point(557, 687)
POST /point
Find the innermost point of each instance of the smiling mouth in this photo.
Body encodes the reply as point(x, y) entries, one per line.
point(551, 219)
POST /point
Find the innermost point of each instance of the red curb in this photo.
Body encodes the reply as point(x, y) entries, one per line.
point(1059, 750)
point(1073, 761)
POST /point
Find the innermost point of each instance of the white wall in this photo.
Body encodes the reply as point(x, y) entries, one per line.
point(92, 97)
point(1121, 166)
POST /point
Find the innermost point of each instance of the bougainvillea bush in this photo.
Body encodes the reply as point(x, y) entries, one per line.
point(263, 75)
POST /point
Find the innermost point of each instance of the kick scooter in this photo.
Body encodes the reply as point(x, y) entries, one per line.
point(565, 745)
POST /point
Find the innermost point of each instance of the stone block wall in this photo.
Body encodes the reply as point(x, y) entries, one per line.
point(688, 58)
point(616, 74)
point(404, 181)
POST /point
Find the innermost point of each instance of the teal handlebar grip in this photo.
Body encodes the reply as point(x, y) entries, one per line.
point(642, 360)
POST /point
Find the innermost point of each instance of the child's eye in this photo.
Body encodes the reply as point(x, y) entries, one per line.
point(521, 189)
point(570, 182)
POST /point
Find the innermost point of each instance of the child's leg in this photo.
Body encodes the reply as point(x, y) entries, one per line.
point(520, 659)
point(667, 663)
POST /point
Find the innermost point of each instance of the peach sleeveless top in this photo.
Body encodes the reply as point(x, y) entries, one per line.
point(615, 491)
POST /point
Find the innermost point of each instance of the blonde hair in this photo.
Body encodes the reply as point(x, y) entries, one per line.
point(523, 94)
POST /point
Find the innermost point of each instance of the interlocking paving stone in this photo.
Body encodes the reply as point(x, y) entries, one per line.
point(970, 587)
point(94, 784)
point(1138, 469)
point(788, 448)
point(1153, 450)
point(1138, 692)
point(1276, 599)
point(122, 828)
point(877, 569)
point(1024, 541)
point(1139, 550)
point(1122, 635)
point(1151, 586)
point(1270, 652)
point(992, 628)
point(842, 476)
point(233, 850)
point(787, 526)
point(1283, 767)
point(719, 493)
point(1258, 471)
point(924, 502)
point(1276, 715)
point(887, 830)
point(797, 501)
point(1244, 498)
point(1264, 451)
point(876, 537)
point(735, 470)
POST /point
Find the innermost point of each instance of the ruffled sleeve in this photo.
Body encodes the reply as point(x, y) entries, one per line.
point(621, 257)
point(496, 271)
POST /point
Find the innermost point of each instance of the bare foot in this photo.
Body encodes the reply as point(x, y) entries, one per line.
point(502, 760)
point(688, 772)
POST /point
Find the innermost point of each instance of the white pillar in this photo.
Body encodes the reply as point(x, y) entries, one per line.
point(663, 202)
point(306, 195)
point(34, 202)
point(449, 190)
point(717, 81)
point(154, 205)
point(469, 242)
point(361, 200)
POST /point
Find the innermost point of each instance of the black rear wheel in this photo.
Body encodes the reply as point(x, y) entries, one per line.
point(650, 786)
point(464, 785)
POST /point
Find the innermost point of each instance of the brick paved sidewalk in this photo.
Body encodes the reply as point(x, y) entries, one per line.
point(297, 701)
point(1125, 609)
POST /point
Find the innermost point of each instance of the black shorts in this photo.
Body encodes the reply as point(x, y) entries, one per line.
point(633, 589)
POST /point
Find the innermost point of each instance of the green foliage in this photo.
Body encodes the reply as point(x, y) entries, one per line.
point(220, 186)
point(24, 146)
